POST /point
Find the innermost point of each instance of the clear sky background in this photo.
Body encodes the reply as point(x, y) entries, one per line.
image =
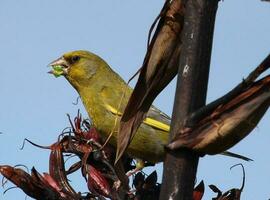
point(34, 104)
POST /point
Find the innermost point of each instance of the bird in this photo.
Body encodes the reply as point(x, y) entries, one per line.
point(104, 95)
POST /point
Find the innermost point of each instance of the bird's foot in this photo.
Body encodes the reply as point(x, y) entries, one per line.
point(140, 164)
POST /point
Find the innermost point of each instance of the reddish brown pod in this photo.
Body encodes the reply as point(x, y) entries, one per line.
point(34, 185)
point(97, 183)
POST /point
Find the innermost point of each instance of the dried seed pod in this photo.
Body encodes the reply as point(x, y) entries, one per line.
point(229, 123)
point(33, 185)
point(97, 183)
point(58, 173)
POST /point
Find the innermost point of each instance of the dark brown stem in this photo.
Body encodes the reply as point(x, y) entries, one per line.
point(180, 166)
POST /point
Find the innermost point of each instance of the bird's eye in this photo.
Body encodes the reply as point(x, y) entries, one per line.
point(75, 59)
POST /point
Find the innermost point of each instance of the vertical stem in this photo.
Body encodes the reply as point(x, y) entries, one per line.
point(180, 166)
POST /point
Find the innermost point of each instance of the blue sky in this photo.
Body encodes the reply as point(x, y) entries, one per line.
point(34, 105)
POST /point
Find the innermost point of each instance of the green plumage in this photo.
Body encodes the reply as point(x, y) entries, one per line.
point(105, 95)
point(99, 88)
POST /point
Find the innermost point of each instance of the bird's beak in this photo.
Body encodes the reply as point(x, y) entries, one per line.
point(59, 67)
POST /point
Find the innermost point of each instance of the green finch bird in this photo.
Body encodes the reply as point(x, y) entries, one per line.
point(105, 94)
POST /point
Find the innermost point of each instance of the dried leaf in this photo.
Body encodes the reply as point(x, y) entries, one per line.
point(138, 181)
point(74, 167)
point(50, 181)
point(198, 191)
point(159, 68)
point(232, 194)
point(150, 181)
point(215, 189)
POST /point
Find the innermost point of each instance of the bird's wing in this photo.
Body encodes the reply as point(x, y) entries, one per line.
point(159, 120)
point(157, 115)
point(154, 118)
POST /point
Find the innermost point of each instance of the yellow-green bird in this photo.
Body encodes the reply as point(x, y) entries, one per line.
point(105, 94)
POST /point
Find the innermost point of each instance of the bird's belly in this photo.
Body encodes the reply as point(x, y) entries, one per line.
point(147, 144)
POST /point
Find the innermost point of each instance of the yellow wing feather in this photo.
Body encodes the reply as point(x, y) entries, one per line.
point(149, 121)
point(157, 124)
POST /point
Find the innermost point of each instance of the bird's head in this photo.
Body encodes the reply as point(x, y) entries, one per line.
point(78, 67)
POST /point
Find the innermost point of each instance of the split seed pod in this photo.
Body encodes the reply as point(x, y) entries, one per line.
point(229, 123)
